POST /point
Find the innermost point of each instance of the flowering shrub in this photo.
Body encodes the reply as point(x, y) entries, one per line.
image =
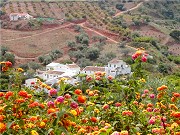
point(100, 105)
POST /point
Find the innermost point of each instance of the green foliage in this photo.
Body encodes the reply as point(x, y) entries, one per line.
point(3, 50)
point(120, 7)
point(34, 65)
point(82, 38)
point(9, 57)
point(175, 34)
point(143, 39)
point(92, 53)
point(176, 59)
point(164, 68)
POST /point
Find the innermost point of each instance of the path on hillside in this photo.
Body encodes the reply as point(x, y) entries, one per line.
point(82, 25)
point(133, 8)
point(60, 27)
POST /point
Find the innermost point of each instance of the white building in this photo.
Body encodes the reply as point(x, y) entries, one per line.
point(89, 70)
point(55, 71)
point(18, 16)
point(114, 68)
point(117, 67)
point(29, 82)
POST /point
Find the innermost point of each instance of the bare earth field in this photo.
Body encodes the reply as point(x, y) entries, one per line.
point(39, 44)
point(147, 30)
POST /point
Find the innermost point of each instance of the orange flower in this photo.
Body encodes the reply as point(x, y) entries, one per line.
point(78, 91)
point(2, 118)
point(91, 93)
point(81, 99)
point(127, 113)
point(1, 94)
point(94, 119)
point(8, 64)
point(20, 100)
point(149, 105)
point(42, 124)
point(176, 114)
point(51, 110)
point(34, 104)
point(23, 93)
point(176, 94)
point(173, 99)
point(8, 94)
point(33, 118)
point(2, 127)
point(125, 132)
point(163, 87)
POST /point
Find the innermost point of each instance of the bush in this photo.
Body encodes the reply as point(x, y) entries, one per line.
point(92, 53)
point(175, 34)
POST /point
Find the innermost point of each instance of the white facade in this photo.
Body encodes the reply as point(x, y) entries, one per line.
point(117, 67)
point(29, 82)
point(54, 71)
point(114, 68)
point(17, 16)
point(90, 70)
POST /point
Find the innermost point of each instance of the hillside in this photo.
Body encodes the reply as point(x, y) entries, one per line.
point(122, 26)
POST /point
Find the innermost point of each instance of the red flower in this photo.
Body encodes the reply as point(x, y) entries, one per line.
point(110, 77)
point(2, 127)
point(81, 99)
point(23, 93)
point(98, 78)
point(1, 94)
point(8, 64)
point(94, 119)
point(78, 91)
point(8, 94)
point(88, 78)
point(144, 59)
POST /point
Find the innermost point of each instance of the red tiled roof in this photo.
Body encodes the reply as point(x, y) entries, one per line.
point(54, 72)
point(73, 66)
point(115, 61)
point(93, 68)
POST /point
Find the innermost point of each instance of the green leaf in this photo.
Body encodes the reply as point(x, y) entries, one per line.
point(49, 131)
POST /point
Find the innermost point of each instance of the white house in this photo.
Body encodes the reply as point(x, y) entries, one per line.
point(117, 67)
point(57, 70)
point(29, 82)
point(89, 70)
point(114, 68)
point(18, 16)
point(52, 74)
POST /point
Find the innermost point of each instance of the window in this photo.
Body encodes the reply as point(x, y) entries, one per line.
point(110, 65)
point(85, 71)
point(114, 65)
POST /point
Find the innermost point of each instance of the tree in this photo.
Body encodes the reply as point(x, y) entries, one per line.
point(175, 34)
point(3, 50)
point(163, 68)
point(34, 65)
point(47, 60)
point(120, 6)
point(92, 53)
point(71, 44)
point(9, 57)
point(41, 59)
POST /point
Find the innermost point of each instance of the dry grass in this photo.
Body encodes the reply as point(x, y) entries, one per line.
point(37, 45)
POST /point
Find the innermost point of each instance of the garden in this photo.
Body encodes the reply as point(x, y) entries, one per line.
point(97, 105)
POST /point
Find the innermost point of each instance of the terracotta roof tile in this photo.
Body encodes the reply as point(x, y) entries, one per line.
point(73, 66)
point(93, 68)
point(115, 61)
point(54, 72)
